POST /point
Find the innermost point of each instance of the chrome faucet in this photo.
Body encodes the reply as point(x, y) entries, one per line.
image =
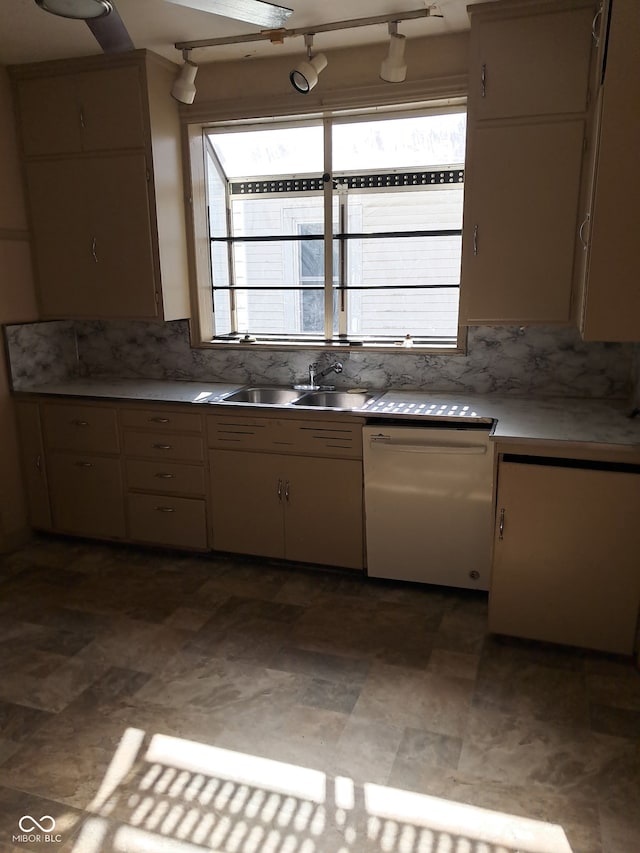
point(314, 376)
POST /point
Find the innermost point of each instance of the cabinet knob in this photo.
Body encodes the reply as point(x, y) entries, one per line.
point(286, 491)
point(279, 490)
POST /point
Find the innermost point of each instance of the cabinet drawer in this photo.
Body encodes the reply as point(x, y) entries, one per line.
point(159, 445)
point(178, 522)
point(86, 495)
point(161, 420)
point(165, 477)
point(80, 428)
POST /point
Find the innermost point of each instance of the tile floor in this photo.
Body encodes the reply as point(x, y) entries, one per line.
point(155, 701)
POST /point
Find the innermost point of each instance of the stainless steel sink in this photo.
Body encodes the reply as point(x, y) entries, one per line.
point(335, 399)
point(266, 396)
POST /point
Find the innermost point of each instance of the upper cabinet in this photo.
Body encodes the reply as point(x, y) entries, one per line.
point(527, 108)
point(611, 216)
point(103, 169)
point(85, 111)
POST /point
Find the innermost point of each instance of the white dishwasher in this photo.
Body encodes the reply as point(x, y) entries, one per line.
point(429, 503)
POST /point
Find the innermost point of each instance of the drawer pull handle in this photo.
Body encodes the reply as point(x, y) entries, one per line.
point(164, 476)
point(165, 509)
point(279, 490)
point(80, 423)
point(159, 420)
point(84, 464)
point(162, 446)
point(286, 491)
point(501, 526)
point(39, 463)
point(483, 80)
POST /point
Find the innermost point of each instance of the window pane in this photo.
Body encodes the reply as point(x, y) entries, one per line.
point(436, 208)
point(279, 312)
point(278, 151)
point(413, 142)
point(419, 313)
point(404, 261)
point(260, 216)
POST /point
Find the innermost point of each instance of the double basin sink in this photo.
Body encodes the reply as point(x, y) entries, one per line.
point(321, 399)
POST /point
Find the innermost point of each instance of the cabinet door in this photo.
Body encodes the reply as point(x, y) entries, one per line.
point(62, 243)
point(247, 493)
point(323, 501)
point(50, 115)
point(112, 108)
point(566, 556)
point(87, 496)
point(530, 65)
point(612, 304)
point(118, 219)
point(521, 201)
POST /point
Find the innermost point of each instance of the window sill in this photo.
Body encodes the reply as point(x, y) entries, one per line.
point(398, 348)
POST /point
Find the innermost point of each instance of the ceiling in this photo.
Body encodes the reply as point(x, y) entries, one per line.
point(28, 34)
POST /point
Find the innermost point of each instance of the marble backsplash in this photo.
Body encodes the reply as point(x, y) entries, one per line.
point(517, 360)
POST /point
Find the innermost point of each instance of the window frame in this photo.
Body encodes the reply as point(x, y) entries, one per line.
point(202, 329)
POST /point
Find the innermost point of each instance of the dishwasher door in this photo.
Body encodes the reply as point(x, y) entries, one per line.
point(429, 504)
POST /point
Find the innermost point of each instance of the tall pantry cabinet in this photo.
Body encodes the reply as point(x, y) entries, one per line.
point(528, 101)
point(100, 142)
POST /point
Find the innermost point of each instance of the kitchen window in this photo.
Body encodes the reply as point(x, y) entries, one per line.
point(339, 230)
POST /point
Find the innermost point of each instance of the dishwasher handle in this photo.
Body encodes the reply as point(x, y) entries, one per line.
point(385, 443)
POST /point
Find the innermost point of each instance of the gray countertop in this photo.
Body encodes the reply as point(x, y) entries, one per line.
point(591, 421)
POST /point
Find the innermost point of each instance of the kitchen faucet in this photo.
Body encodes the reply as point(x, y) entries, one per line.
point(314, 375)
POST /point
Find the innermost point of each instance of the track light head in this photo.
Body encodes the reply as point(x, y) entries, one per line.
point(305, 75)
point(393, 68)
point(81, 10)
point(184, 89)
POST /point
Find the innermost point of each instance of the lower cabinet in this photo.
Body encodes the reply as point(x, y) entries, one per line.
point(86, 494)
point(566, 566)
point(294, 507)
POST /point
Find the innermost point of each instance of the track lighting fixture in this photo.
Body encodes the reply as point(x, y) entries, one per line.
point(305, 75)
point(183, 88)
point(393, 68)
point(81, 10)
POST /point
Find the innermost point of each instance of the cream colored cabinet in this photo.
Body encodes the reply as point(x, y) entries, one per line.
point(83, 468)
point(101, 147)
point(528, 101)
point(611, 305)
point(529, 59)
point(293, 507)
point(163, 451)
point(288, 488)
point(85, 111)
point(565, 565)
point(97, 210)
point(520, 222)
